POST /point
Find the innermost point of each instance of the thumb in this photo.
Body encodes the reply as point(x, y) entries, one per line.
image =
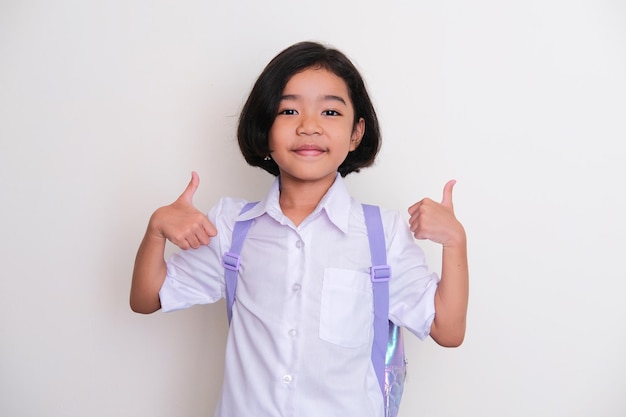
point(187, 195)
point(447, 194)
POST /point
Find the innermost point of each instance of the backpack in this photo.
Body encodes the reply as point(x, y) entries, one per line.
point(388, 348)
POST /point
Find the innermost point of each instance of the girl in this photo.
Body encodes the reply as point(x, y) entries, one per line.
point(301, 332)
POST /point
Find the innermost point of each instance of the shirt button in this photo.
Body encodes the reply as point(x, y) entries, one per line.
point(293, 333)
point(299, 244)
point(287, 379)
point(295, 287)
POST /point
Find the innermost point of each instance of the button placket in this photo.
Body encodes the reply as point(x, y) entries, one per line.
point(296, 268)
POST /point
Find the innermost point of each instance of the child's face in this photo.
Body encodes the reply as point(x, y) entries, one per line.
point(313, 130)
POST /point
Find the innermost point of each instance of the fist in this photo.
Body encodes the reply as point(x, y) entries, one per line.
point(436, 221)
point(181, 222)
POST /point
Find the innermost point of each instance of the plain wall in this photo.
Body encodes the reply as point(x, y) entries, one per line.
point(106, 108)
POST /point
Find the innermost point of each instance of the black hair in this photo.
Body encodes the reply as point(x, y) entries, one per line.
point(259, 111)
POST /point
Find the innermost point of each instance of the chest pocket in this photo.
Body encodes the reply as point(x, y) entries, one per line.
point(346, 308)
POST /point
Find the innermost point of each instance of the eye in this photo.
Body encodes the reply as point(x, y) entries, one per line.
point(331, 113)
point(288, 112)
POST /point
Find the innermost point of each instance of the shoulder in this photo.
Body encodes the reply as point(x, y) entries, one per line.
point(224, 214)
point(390, 218)
point(227, 207)
point(395, 226)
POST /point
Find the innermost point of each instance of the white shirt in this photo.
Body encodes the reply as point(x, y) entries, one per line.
point(301, 335)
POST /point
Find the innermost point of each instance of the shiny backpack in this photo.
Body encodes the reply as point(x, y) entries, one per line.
point(388, 356)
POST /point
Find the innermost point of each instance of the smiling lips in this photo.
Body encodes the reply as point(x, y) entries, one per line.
point(309, 150)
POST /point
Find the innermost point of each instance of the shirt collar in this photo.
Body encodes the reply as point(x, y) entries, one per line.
point(336, 203)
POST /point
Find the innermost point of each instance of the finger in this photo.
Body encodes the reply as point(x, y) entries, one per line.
point(447, 194)
point(183, 244)
point(196, 237)
point(414, 222)
point(201, 232)
point(187, 195)
point(210, 229)
point(414, 207)
point(193, 242)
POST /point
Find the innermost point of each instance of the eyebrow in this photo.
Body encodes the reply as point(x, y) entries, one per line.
point(327, 97)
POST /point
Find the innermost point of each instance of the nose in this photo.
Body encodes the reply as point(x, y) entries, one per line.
point(309, 125)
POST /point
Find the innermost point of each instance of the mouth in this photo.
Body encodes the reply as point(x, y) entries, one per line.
point(309, 150)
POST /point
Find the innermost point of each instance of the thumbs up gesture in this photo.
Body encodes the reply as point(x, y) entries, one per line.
point(436, 221)
point(181, 222)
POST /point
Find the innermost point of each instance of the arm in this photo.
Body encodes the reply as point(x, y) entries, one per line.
point(436, 222)
point(180, 223)
point(148, 274)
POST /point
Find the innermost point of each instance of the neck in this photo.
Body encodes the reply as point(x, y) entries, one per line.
point(298, 199)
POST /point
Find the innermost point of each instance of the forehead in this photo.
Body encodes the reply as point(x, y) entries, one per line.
point(316, 82)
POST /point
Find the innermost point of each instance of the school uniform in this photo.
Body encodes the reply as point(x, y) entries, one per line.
point(301, 334)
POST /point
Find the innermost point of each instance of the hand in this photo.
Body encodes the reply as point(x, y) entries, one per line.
point(436, 221)
point(181, 223)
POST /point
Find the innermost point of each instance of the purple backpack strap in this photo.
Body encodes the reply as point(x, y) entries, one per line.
point(230, 259)
point(380, 274)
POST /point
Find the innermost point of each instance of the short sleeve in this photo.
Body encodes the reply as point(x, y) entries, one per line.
point(412, 287)
point(196, 276)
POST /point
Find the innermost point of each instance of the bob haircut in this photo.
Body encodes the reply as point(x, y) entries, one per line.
point(259, 111)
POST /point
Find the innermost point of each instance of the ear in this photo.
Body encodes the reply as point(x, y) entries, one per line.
point(357, 134)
